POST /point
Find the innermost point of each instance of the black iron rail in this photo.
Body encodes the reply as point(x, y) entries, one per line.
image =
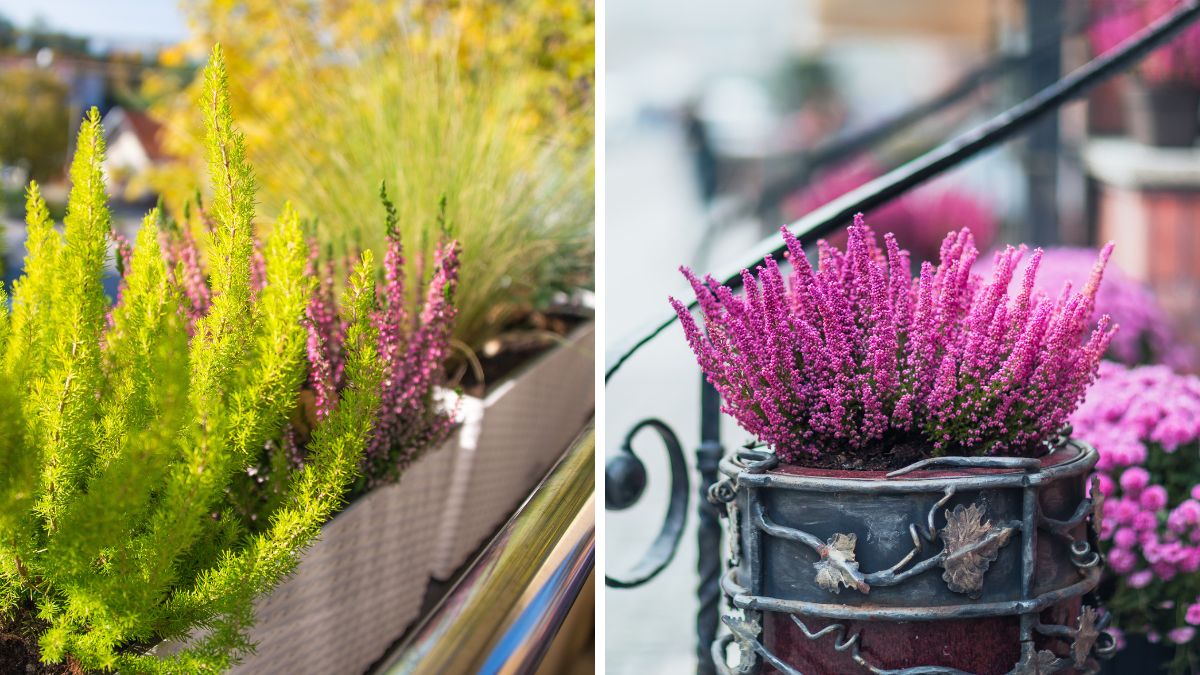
point(948, 155)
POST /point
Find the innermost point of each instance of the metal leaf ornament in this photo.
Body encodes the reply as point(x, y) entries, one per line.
point(837, 566)
point(745, 633)
point(971, 545)
point(1085, 637)
point(1037, 663)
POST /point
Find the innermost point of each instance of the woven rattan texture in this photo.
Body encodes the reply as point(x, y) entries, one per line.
point(527, 423)
point(360, 586)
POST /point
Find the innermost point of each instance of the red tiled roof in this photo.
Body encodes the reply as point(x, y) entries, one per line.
point(149, 133)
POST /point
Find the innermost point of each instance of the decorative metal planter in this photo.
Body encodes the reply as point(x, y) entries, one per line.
point(952, 565)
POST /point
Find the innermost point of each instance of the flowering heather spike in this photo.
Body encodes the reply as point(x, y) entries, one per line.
point(320, 373)
point(1147, 334)
point(859, 355)
point(183, 256)
point(411, 419)
point(258, 269)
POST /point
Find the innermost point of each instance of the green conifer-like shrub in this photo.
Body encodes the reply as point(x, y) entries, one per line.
point(121, 436)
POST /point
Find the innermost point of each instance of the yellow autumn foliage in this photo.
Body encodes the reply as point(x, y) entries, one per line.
point(485, 103)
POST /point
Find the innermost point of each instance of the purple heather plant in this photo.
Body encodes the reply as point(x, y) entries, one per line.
point(412, 417)
point(859, 356)
point(1145, 422)
point(183, 258)
point(1146, 334)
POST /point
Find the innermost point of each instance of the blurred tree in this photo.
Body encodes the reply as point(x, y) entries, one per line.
point(8, 34)
point(34, 122)
point(40, 35)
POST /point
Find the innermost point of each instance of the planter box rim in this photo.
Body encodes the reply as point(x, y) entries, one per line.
point(498, 388)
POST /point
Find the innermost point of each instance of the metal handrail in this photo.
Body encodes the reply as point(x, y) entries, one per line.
point(504, 613)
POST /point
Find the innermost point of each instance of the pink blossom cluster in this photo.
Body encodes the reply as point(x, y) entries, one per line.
point(1130, 415)
point(1145, 422)
point(1146, 334)
point(857, 354)
point(413, 349)
point(1114, 21)
point(920, 219)
point(183, 258)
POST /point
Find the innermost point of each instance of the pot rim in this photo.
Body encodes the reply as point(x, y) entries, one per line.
point(759, 470)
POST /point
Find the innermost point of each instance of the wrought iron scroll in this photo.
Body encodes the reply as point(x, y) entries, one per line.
point(625, 478)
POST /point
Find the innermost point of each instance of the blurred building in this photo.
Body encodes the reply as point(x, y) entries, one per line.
point(134, 146)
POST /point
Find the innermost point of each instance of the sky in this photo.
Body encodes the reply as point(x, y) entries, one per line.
point(155, 20)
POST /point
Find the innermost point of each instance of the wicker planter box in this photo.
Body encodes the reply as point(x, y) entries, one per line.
point(980, 565)
point(527, 421)
point(360, 585)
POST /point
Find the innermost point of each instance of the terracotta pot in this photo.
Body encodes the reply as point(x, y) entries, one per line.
point(972, 564)
point(1163, 114)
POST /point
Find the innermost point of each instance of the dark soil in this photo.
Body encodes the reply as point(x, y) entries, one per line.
point(885, 455)
point(882, 458)
point(19, 653)
point(524, 341)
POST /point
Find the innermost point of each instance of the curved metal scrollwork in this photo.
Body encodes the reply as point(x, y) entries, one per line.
point(625, 480)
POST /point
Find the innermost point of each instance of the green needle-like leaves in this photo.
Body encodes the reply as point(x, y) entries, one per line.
point(122, 436)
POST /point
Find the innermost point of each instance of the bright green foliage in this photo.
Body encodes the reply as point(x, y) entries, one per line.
point(121, 436)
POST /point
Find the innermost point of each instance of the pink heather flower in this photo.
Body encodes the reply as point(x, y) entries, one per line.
point(1193, 614)
point(857, 354)
point(1133, 480)
point(1182, 635)
point(183, 258)
point(258, 269)
point(413, 350)
point(1153, 498)
point(1195, 492)
point(1141, 579)
point(1105, 483)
